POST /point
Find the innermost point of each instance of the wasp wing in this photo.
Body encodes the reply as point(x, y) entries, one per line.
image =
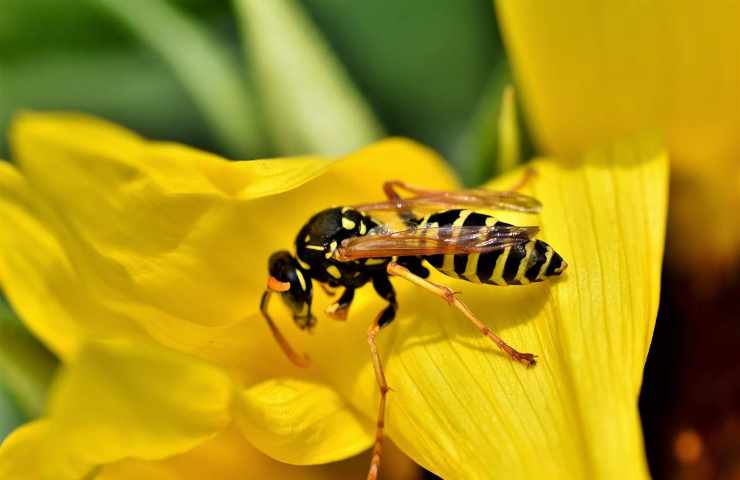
point(479, 197)
point(421, 241)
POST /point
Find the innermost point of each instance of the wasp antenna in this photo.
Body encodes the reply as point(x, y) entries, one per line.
point(299, 360)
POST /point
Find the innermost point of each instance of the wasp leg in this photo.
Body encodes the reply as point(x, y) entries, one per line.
point(480, 197)
point(339, 309)
point(529, 174)
point(389, 188)
point(415, 266)
point(403, 210)
point(327, 290)
point(296, 358)
point(449, 296)
point(385, 289)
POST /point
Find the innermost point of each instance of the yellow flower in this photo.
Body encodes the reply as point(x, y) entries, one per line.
point(592, 71)
point(150, 259)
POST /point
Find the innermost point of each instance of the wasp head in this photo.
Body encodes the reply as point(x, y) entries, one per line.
point(294, 285)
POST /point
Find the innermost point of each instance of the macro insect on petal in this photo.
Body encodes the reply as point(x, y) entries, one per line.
point(345, 247)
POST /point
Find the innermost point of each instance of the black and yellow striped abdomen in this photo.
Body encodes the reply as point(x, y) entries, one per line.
point(528, 262)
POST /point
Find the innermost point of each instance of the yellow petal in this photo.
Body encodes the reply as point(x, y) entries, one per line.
point(229, 457)
point(463, 410)
point(119, 401)
point(175, 241)
point(23, 227)
point(592, 71)
point(20, 455)
point(90, 148)
point(33, 266)
point(301, 422)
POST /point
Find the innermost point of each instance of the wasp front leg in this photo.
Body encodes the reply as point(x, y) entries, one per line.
point(327, 289)
point(274, 285)
point(385, 289)
point(339, 309)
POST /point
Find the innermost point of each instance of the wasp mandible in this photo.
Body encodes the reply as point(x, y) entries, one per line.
point(346, 247)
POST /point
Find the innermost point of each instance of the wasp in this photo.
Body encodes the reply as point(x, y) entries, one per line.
point(347, 247)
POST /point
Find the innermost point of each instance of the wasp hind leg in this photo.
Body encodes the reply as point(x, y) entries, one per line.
point(391, 187)
point(529, 174)
point(415, 265)
point(384, 288)
point(339, 309)
point(449, 296)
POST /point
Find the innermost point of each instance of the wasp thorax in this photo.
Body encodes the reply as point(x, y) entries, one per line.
point(318, 246)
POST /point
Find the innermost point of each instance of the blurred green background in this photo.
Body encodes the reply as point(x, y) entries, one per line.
point(190, 71)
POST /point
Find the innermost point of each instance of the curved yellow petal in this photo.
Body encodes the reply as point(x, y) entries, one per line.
point(95, 152)
point(20, 455)
point(463, 410)
point(116, 401)
point(162, 402)
point(175, 241)
point(301, 422)
point(593, 71)
point(24, 227)
point(34, 265)
point(229, 457)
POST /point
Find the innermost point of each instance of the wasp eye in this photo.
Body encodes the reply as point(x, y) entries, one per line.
point(281, 265)
point(285, 268)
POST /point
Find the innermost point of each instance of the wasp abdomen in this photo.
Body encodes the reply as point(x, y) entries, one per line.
point(520, 264)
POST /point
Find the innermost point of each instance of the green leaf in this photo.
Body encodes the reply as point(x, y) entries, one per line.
point(11, 415)
point(203, 64)
point(120, 84)
point(26, 367)
point(38, 27)
point(310, 103)
point(7, 316)
point(423, 63)
point(509, 138)
point(478, 155)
